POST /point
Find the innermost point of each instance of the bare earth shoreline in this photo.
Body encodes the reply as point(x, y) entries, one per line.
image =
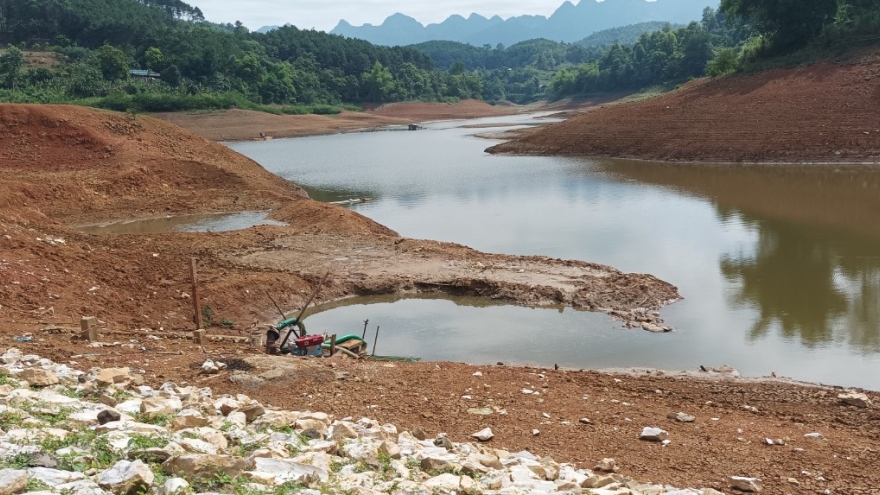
point(93, 166)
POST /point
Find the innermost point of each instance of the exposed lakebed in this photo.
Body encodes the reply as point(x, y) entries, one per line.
point(779, 265)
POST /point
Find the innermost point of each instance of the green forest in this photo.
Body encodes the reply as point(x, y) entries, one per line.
point(163, 55)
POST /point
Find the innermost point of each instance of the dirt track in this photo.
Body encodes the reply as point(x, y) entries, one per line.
point(65, 165)
point(822, 113)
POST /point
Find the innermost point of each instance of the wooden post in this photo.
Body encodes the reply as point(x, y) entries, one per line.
point(197, 306)
point(333, 344)
point(89, 330)
point(375, 341)
point(199, 336)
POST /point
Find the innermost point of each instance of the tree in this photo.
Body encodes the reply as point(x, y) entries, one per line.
point(113, 62)
point(10, 66)
point(787, 24)
point(155, 60)
point(378, 83)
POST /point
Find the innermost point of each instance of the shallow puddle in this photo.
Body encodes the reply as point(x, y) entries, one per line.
point(216, 222)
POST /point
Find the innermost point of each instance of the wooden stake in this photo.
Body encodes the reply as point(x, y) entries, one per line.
point(333, 344)
point(375, 341)
point(197, 306)
point(89, 330)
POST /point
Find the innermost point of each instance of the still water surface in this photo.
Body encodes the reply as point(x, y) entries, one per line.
point(779, 265)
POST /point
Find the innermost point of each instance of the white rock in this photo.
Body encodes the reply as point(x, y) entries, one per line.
point(651, 434)
point(281, 471)
point(12, 481)
point(444, 483)
point(54, 477)
point(484, 435)
point(173, 486)
point(855, 399)
point(126, 477)
point(746, 484)
point(11, 356)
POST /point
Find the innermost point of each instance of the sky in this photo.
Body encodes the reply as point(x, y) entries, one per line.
point(323, 15)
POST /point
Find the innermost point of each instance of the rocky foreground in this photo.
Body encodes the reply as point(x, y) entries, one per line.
point(104, 431)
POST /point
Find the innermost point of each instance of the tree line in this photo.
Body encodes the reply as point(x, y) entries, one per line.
point(186, 62)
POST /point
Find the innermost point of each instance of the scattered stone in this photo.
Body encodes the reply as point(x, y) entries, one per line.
point(536, 432)
point(855, 399)
point(252, 411)
point(815, 436)
point(12, 481)
point(173, 486)
point(480, 411)
point(585, 421)
point(109, 376)
point(126, 478)
point(196, 466)
point(39, 377)
point(681, 417)
point(363, 456)
point(389, 449)
point(746, 484)
point(607, 465)
point(650, 434)
point(484, 435)
point(444, 442)
point(108, 415)
point(434, 464)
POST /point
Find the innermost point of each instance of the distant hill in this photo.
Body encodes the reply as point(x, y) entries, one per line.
point(266, 29)
point(570, 23)
point(625, 35)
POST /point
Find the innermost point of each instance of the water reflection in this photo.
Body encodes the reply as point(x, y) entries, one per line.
point(779, 265)
point(814, 273)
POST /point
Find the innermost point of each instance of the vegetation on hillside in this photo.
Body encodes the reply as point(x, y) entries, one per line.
point(190, 63)
point(183, 62)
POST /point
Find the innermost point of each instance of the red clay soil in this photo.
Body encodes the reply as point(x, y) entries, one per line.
point(66, 165)
point(827, 112)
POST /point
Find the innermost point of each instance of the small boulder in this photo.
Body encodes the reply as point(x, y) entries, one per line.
point(173, 486)
point(744, 484)
point(607, 465)
point(681, 417)
point(127, 477)
point(39, 377)
point(484, 435)
point(12, 481)
point(850, 399)
point(108, 415)
point(109, 376)
point(650, 434)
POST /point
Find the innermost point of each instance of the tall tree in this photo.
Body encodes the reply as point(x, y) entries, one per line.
point(785, 23)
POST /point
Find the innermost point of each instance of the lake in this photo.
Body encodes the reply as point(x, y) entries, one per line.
point(779, 265)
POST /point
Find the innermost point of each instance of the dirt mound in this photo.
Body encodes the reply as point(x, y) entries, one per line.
point(822, 113)
point(113, 162)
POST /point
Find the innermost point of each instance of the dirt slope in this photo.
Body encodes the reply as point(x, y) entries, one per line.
point(822, 113)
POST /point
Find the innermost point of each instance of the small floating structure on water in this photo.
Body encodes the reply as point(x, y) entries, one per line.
point(351, 201)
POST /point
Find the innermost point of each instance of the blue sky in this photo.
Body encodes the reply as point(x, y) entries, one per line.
point(323, 15)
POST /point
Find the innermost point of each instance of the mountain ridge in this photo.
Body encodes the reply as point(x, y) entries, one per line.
point(568, 23)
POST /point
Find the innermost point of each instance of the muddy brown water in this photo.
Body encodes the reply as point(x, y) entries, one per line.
point(779, 265)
